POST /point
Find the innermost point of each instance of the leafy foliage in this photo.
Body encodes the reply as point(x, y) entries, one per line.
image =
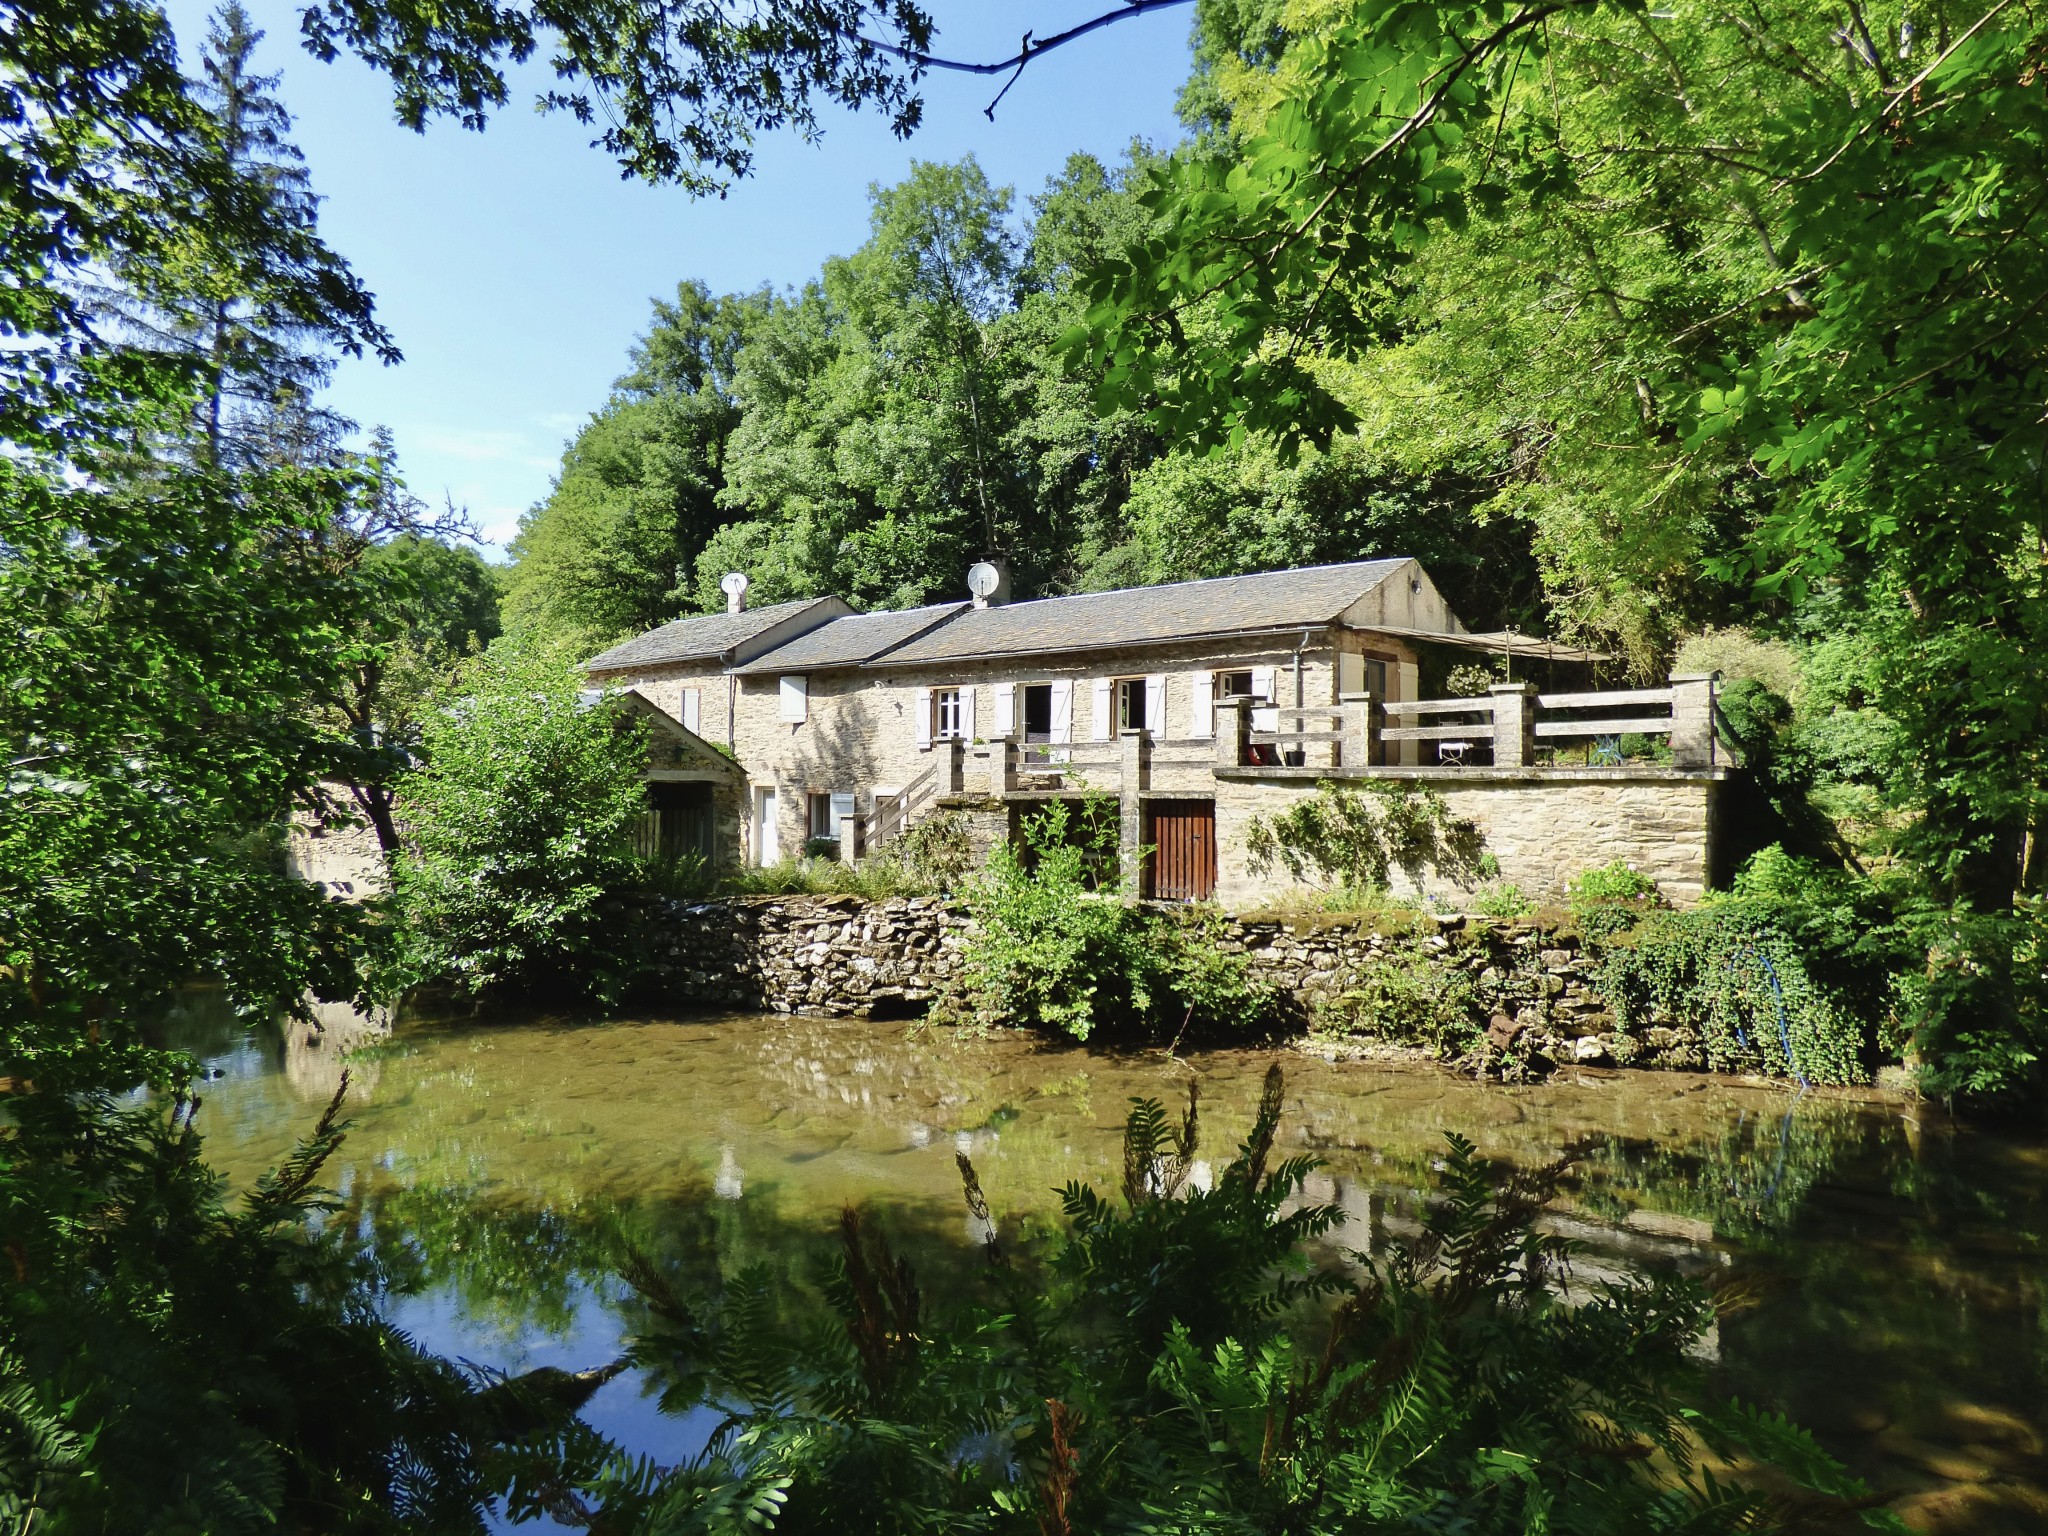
point(1358, 836)
point(1408, 996)
point(1612, 899)
point(1749, 303)
point(1194, 1356)
point(1048, 951)
point(175, 1365)
point(519, 834)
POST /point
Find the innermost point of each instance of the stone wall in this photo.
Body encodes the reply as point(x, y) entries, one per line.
point(1531, 985)
point(1545, 826)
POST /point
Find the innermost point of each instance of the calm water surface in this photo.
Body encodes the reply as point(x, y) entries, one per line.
point(1898, 1263)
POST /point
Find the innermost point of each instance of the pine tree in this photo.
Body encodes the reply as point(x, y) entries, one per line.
point(260, 321)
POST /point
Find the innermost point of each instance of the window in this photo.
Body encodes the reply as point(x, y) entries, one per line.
point(1038, 712)
point(1376, 678)
point(947, 722)
point(1233, 685)
point(1130, 704)
point(828, 813)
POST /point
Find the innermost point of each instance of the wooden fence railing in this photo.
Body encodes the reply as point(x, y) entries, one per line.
point(1513, 723)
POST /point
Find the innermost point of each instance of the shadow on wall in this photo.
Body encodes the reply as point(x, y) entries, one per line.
point(840, 756)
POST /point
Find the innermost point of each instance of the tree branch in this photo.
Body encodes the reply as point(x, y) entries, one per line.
point(1026, 52)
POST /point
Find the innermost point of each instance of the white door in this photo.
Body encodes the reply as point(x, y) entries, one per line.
point(767, 844)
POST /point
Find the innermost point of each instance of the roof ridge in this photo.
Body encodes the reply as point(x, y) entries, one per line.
point(1205, 581)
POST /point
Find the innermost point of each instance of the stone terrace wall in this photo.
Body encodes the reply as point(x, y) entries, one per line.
point(1545, 826)
point(842, 955)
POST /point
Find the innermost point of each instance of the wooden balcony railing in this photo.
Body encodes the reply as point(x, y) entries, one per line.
point(1511, 723)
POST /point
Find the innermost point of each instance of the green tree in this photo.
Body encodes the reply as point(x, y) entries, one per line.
point(615, 546)
point(1251, 509)
point(1797, 309)
point(873, 421)
point(519, 833)
point(261, 321)
point(179, 629)
point(432, 604)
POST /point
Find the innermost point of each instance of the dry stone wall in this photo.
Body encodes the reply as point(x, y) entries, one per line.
point(1531, 984)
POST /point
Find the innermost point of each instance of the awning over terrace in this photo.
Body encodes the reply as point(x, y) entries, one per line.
point(1498, 642)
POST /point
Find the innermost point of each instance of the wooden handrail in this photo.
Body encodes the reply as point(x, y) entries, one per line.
point(1651, 725)
point(1440, 707)
point(1438, 733)
point(1604, 700)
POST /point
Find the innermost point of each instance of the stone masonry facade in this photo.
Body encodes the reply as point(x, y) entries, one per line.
point(1533, 988)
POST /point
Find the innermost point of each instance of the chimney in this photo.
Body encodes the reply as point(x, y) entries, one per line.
point(988, 582)
point(734, 585)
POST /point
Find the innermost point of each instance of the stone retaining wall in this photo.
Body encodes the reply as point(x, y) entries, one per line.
point(1530, 982)
point(1545, 827)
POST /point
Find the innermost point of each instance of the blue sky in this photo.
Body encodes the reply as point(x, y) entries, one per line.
point(515, 267)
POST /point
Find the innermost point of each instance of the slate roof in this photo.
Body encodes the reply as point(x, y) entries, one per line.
point(1187, 610)
point(849, 641)
point(704, 634)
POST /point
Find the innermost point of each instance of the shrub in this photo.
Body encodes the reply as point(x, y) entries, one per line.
point(1411, 997)
point(1048, 952)
point(1189, 1358)
point(1731, 973)
point(1612, 899)
point(519, 856)
point(929, 859)
point(1740, 656)
point(1502, 898)
point(1359, 837)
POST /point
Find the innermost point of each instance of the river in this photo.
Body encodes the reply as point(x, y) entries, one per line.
point(1897, 1262)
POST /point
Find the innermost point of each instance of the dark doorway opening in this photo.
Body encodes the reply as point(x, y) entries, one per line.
point(678, 821)
point(1037, 712)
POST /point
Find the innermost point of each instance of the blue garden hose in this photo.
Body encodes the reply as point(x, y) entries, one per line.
point(1784, 1024)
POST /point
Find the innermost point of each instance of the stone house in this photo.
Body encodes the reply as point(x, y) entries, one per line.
point(1197, 705)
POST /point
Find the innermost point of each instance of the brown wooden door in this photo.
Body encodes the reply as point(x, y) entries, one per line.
point(1183, 838)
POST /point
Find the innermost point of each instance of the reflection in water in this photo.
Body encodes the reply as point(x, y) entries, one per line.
point(498, 1173)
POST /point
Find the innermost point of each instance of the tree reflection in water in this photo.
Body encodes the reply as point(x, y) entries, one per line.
point(498, 1172)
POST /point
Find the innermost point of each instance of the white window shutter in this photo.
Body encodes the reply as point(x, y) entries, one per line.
point(1063, 710)
point(1105, 724)
point(967, 714)
point(796, 699)
point(1262, 690)
point(922, 710)
point(1006, 712)
point(692, 701)
point(1202, 711)
point(1155, 705)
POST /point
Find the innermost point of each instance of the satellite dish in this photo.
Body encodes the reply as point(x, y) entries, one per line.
point(734, 585)
point(983, 580)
